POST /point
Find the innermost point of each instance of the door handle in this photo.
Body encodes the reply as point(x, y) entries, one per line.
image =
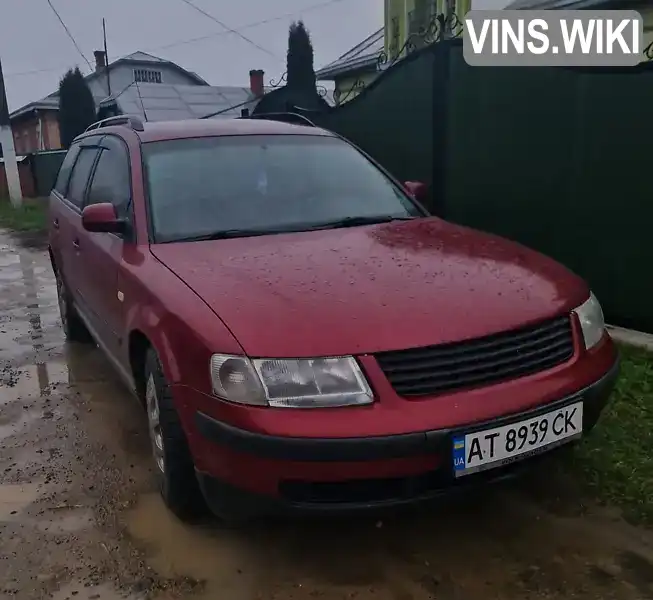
point(55, 223)
point(76, 244)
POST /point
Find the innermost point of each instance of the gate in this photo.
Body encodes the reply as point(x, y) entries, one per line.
point(45, 167)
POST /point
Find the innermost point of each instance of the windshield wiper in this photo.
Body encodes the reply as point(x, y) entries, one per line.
point(238, 233)
point(358, 221)
point(230, 233)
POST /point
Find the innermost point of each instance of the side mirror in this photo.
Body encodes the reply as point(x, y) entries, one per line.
point(102, 218)
point(416, 189)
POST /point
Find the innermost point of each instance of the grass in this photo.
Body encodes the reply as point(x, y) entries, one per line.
point(615, 461)
point(30, 217)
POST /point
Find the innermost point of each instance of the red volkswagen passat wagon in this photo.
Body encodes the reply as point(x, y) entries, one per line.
point(303, 335)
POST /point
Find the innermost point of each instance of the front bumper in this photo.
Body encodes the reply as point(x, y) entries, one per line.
point(299, 496)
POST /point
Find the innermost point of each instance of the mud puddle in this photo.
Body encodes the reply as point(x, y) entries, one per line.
point(493, 546)
point(80, 517)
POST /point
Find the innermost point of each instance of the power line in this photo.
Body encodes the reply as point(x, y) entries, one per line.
point(70, 35)
point(200, 38)
point(244, 27)
point(122, 91)
point(34, 72)
point(223, 25)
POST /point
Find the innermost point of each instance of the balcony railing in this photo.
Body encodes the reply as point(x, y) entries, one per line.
point(425, 23)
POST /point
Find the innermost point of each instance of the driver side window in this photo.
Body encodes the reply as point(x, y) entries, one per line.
point(111, 180)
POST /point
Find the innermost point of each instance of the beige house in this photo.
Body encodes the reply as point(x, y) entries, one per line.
point(357, 67)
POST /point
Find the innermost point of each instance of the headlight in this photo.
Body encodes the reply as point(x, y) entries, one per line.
point(591, 320)
point(296, 383)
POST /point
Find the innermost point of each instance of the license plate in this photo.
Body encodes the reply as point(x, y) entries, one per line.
point(495, 447)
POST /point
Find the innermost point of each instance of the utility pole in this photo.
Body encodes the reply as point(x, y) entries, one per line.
point(106, 56)
point(8, 150)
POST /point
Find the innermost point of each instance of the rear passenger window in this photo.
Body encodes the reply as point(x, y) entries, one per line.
point(63, 176)
point(81, 173)
point(111, 181)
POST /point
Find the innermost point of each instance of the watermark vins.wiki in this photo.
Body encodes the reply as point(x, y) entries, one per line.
point(553, 38)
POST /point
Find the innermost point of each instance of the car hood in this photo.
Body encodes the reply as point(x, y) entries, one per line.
point(368, 289)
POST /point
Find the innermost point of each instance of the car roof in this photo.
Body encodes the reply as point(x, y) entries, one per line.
point(192, 128)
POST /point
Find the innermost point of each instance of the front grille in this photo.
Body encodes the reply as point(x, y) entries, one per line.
point(478, 362)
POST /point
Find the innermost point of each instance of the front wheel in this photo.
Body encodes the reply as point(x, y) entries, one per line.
point(173, 461)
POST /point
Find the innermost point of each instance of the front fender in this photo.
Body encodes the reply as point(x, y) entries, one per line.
point(181, 327)
point(149, 322)
point(185, 332)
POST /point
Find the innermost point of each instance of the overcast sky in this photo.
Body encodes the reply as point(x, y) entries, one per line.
point(32, 39)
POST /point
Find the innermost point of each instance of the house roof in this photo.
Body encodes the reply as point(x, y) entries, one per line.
point(144, 57)
point(51, 102)
point(19, 158)
point(166, 102)
point(361, 57)
point(46, 103)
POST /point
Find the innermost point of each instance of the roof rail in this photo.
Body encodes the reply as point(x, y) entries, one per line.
point(285, 117)
point(135, 122)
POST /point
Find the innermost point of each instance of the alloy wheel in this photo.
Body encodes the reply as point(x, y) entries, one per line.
point(154, 422)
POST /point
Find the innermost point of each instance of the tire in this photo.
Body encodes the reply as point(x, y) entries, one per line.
point(173, 462)
point(71, 323)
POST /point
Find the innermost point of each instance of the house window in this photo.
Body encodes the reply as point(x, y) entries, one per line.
point(147, 76)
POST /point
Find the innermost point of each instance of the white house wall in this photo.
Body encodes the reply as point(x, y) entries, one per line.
point(123, 75)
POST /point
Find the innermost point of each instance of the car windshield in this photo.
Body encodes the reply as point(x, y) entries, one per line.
point(250, 185)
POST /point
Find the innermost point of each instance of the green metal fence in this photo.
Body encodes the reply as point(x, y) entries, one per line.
point(393, 119)
point(557, 159)
point(45, 166)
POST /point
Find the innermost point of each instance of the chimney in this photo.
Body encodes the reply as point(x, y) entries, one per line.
point(100, 60)
point(256, 82)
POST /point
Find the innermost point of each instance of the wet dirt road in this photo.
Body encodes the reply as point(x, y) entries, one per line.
point(80, 518)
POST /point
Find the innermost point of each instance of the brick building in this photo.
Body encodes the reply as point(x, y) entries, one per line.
point(35, 127)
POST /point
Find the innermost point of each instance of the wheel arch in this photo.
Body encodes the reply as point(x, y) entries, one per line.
point(140, 339)
point(138, 346)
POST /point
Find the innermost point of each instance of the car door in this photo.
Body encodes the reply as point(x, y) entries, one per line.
point(70, 220)
point(101, 257)
point(57, 198)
